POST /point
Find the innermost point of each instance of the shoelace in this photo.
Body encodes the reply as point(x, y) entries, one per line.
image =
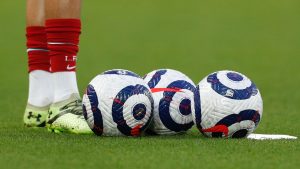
point(75, 107)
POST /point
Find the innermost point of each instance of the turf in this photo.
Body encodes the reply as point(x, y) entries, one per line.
point(258, 38)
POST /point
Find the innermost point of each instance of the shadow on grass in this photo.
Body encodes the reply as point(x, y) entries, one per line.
point(24, 133)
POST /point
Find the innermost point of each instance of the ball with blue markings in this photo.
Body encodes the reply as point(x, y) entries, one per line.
point(231, 105)
point(118, 103)
point(175, 98)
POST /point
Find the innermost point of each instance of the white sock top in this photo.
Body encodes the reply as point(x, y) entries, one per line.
point(65, 84)
point(41, 89)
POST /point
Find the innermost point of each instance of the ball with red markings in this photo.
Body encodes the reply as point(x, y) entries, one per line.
point(175, 98)
point(231, 105)
point(118, 103)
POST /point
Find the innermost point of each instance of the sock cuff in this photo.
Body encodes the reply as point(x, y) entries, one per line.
point(35, 30)
point(37, 50)
point(63, 31)
point(36, 37)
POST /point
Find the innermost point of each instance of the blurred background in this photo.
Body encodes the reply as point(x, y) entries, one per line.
point(258, 38)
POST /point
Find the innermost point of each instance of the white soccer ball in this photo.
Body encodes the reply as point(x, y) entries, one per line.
point(175, 98)
point(117, 103)
point(231, 105)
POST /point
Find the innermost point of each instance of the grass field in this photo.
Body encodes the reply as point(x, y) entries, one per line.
point(258, 38)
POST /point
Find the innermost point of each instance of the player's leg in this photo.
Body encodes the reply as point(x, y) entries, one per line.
point(63, 27)
point(40, 79)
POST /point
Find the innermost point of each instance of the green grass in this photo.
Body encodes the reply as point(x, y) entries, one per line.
point(258, 38)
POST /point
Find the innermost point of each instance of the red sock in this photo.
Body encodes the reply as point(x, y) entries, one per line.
point(63, 39)
point(38, 58)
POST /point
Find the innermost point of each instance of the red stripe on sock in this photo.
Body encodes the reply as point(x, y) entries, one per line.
point(36, 39)
point(64, 33)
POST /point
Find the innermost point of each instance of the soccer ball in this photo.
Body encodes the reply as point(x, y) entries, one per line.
point(231, 105)
point(175, 98)
point(117, 103)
